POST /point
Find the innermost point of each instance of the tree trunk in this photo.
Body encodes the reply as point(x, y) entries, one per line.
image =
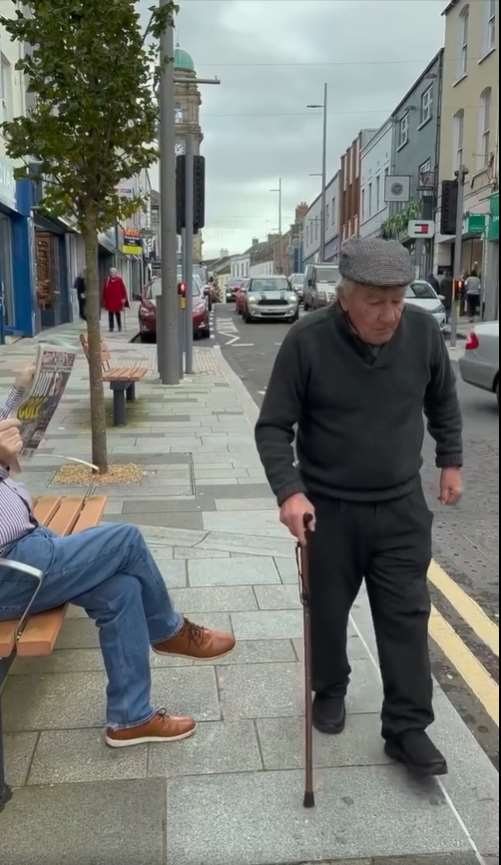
point(93, 313)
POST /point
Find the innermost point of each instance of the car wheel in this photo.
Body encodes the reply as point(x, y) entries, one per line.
point(294, 318)
point(248, 318)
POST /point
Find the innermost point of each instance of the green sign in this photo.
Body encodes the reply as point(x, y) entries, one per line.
point(475, 223)
point(493, 229)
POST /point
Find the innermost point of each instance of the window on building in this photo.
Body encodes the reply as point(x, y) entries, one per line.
point(378, 193)
point(464, 28)
point(427, 99)
point(334, 210)
point(363, 205)
point(458, 140)
point(403, 136)
point(426, 175)
point(490, 33)
point(370, 199)
point(6, 106)
point(485, 126)
point(327, 214)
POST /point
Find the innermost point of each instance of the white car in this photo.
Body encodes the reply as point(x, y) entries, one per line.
point(421, 293)
point(480, 364)
point(270, 297)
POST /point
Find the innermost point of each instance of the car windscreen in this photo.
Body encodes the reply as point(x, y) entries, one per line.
point(327, 274)
point(265, 285)
point(420, 291)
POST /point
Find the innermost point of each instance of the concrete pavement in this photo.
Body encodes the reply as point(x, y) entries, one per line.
point(233, 794)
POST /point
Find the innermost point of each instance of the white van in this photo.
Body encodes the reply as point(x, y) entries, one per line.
point(320, 281)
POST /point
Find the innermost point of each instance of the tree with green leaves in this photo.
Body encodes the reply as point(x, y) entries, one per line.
point(91, 70)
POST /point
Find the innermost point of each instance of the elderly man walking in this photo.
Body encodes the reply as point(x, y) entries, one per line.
point(354, 380)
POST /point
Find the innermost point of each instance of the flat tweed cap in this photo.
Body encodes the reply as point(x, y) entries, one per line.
point(377, 262)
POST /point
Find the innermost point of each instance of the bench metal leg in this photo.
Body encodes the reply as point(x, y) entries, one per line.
point(131, 393)
point(119, 407)
point(5, 791)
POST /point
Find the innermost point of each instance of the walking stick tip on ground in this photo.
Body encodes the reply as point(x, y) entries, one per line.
point(309, 800)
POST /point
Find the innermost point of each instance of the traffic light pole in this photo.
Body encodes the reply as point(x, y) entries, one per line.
point(167, 325)
point(462, 174)
point(188, 236)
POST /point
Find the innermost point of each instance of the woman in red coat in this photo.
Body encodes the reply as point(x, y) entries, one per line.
point(115, 298)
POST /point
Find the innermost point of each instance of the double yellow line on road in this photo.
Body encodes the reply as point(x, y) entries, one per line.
point(466, 663)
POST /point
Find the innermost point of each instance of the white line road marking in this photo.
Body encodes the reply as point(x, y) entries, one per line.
point(243, 345)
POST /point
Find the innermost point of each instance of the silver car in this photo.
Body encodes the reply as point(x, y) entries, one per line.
point(270, 297)
point(421, 293)
point(480, 364)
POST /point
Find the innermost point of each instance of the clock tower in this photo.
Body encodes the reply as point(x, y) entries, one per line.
point(188, 102)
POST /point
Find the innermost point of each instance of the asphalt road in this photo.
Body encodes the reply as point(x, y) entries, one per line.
point(466, 537)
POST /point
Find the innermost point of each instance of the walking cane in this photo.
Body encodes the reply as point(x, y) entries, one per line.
point(303, 561)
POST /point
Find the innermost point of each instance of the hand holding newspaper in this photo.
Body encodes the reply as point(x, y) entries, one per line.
point(50, 377)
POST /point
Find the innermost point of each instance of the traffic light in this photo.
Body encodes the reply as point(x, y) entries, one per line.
point(198, 193)
point(449, 207)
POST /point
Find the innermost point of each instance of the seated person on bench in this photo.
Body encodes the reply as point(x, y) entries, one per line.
point(110, 572)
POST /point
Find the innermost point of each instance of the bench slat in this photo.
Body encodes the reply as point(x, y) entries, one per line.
point(67, 516)
point(7, 638)
point(41, 633)
point(91, 514)
point(46, 507)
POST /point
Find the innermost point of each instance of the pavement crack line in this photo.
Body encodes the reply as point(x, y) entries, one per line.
point(454, 810)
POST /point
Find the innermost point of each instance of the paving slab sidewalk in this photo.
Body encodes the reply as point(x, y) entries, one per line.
point(233, 794)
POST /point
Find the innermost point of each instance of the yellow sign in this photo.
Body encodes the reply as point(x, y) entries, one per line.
point(132, 250)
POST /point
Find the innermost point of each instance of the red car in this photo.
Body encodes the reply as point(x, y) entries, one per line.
point(240, 296)
point(148, 310)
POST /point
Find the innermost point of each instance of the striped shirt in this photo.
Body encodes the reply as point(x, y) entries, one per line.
point(16, 517)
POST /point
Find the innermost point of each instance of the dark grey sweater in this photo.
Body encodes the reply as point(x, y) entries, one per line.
point(359, 414)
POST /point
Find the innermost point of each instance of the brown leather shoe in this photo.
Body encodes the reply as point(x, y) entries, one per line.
point(161, 728)
point(196, 642)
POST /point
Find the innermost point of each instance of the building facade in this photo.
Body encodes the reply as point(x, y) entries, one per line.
point(375, 165)
point(470, 135)
point(416, 151)
point(312, 220)
point(349, 183)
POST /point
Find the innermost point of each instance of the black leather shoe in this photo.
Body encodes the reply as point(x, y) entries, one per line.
point(329, 714)
point(416, 751)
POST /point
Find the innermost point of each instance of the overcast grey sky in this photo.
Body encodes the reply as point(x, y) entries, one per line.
point(273, 57)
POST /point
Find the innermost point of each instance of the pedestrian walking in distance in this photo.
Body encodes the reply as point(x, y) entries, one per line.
point(473, 288)
point(354, 380)
point(115, 299)
point(81, 288)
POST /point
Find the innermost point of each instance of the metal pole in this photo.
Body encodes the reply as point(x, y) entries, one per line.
point(324, 179)
point(189, 254)
point(458, 252)
point(280, 260)
point(167, 328)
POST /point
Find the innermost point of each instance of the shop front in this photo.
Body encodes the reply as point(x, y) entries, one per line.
point(52, 288)
point(15, 260)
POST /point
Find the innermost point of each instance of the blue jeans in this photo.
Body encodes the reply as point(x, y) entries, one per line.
point(110, 572)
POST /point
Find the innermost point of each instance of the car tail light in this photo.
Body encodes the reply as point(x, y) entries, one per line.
point(473, 342)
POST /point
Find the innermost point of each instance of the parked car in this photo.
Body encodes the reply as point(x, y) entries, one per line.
point(480, 364)
point(270, 297)
point(320, 282)
point(297, 282)
point(421, 293)
point(232, 287)
point(241, 297)
point(148, 309)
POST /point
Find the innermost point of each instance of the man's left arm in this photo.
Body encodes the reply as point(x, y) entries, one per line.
point(445, 421)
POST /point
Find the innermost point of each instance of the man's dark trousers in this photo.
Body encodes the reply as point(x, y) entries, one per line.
point(389, 543)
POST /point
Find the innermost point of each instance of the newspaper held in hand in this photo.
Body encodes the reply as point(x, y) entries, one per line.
point(54, 365)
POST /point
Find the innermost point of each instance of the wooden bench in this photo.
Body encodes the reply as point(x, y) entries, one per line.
point(36, 636)
point(122, 381)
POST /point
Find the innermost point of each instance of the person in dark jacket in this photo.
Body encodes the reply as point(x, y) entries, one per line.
point(80, 289)
point(447, 290)
point(354, 379)
point(432, 279)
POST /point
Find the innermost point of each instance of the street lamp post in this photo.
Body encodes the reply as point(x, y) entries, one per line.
point(323, 226)
point(279, 191)
point(461, 174)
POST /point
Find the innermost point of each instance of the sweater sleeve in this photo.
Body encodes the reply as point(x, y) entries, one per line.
point(12, 403)
point(281, 411)
point(442, 407)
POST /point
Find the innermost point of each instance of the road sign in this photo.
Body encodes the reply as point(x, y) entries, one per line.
point(424, 228)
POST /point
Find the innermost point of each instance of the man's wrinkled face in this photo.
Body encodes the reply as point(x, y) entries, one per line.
point(375, 313)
